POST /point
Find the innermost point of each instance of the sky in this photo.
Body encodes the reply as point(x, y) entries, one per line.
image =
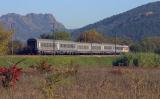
point(72, 13)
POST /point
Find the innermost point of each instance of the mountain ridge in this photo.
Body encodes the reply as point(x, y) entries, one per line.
point(31, 25)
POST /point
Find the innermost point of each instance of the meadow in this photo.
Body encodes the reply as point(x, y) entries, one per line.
point(88, 83)
point(84, 77)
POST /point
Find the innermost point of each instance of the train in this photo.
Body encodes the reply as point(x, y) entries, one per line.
point(62, 47)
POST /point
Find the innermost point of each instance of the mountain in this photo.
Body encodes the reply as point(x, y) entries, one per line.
point(138, 23)
point(31, 25)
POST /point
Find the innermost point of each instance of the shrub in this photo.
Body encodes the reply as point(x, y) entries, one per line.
point(10, 75)
point(138, 59)
point(157, 51)
point(122, 61)
point(53, 80)
point(42, 66)
point(135, 62)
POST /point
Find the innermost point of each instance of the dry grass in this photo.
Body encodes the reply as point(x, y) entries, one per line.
point(87, 83)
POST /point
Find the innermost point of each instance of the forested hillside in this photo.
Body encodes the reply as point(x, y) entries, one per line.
point(136, 24)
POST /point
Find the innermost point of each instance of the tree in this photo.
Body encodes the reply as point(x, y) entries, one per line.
point(57, 36)
point(121, 41)
point(5, 37)
point(17, 47)
point(151, 44)
point(157, 51)
point(135, 47)
point(91, 36)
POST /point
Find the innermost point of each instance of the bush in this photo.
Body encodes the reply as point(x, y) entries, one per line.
point(135, 62)
point(157, 51)
point(122, 61)
point(138, 59)
point(42, 66)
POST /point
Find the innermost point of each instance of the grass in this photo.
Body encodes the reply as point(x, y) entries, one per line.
point(90, 83)
point(58, 60)
point(140, 59)
point(100, 82)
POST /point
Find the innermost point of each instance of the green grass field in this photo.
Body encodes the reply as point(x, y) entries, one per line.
point(143, 60)
point(58, 60)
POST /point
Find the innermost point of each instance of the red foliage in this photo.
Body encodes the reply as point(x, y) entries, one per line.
point(9, 76)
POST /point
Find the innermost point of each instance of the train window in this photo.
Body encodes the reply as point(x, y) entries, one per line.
point(47, 45)
point(107, 47)
point(96, 47)
point(119, 48)
point(67, 45)
point(83, 47)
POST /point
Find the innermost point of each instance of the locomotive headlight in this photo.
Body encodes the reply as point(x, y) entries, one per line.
point(125, 49)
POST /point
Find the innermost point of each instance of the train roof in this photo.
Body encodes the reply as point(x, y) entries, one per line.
point(55, 40)
point(51, 40)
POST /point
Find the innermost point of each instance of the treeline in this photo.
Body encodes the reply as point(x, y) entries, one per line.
point(56, 36)
point(151, 44)
point(90, 36)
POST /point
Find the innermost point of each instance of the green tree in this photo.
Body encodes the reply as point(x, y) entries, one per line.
point(5, 37)
point(151, 44)
point(135, 47)
point(57, 36)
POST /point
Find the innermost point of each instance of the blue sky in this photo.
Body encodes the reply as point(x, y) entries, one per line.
point(72, 13)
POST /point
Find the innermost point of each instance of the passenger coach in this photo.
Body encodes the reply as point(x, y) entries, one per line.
point(48, 46)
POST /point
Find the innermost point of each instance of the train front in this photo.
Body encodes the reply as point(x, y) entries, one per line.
point(32, 46)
